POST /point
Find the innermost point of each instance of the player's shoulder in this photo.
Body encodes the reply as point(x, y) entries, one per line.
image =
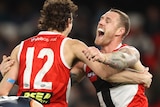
point(128, 47)
point(18, 101)
point(130, 50)
point(71, 40)
point(74, 45)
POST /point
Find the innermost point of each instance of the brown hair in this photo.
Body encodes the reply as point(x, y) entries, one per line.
point(124, 20)
point(55, 14)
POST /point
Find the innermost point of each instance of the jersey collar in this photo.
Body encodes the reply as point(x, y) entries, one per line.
point(48, 32)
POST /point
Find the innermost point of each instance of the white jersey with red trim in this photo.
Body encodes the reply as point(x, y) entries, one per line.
point(43, 73)
point(132, 95)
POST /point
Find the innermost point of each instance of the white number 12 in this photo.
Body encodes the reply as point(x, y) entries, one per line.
point(38, 84)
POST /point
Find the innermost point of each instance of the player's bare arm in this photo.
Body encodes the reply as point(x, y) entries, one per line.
point(127, 77)
point(11, 76)
point(123, 58)
point(100, 69)
point(124, 77)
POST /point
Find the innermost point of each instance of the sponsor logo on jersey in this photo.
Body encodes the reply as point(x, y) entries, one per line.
point(42, 97)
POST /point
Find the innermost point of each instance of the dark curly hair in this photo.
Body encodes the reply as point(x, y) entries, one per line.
point(55, 14)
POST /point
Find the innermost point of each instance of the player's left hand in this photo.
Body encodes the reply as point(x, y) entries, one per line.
point(6, 64)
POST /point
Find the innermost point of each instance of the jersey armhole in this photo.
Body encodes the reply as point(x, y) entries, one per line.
point(20, 50)
point(61, 53)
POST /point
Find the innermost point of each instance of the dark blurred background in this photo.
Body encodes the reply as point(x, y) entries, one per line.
point(18, 21)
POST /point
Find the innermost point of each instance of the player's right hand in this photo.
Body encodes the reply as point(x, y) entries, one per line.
point(147, 78)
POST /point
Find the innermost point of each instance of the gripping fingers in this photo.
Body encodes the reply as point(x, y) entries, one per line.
point(91, 53)
point(5, 58)
point(88, 54)
point(147, 85)
point(6, 64)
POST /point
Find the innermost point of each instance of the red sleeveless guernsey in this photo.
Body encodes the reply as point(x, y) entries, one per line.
point(43, 73)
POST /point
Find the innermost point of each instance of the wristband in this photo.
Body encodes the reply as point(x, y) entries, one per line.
point(11, 81)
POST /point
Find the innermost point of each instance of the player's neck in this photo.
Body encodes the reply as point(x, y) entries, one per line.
point(62, 33)
point(110, 47)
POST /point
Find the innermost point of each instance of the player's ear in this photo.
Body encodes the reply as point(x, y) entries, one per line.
point(120, 31)
point(70, 20)
point(34, 103)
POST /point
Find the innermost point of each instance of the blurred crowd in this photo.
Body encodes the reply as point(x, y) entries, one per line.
point(18, 21)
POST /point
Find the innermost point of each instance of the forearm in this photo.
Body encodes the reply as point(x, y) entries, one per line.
point(127, 77)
